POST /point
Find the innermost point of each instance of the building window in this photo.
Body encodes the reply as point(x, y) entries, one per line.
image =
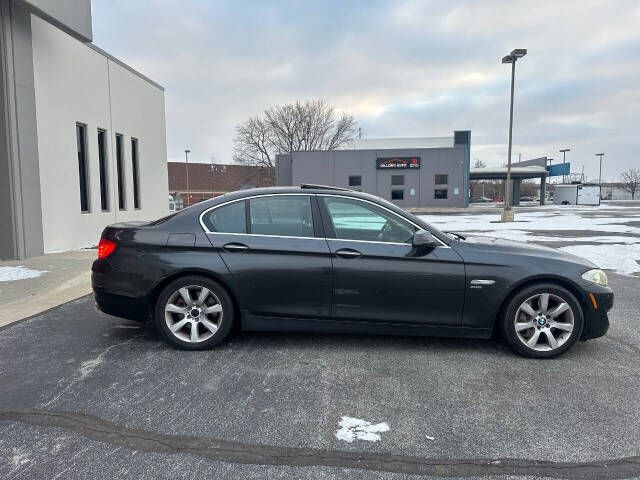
point(136, 173)
point(440, 193)
point(397, 194)
point(397, 179)
point(120, 171)
point(81, 142)
point(102, 165)
point(441, 179)
point(355, 180)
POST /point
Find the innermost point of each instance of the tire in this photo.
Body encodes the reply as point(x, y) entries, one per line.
point(184, 305)
point(527, 324)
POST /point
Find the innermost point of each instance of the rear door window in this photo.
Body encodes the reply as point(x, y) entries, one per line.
point(281, 215)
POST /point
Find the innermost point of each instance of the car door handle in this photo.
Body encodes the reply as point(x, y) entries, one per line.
point(348, 253)
point(235, 247)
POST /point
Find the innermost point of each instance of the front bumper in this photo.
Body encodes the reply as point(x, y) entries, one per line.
point(598, 301)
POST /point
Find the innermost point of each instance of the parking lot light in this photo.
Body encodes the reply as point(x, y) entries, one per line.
point(507, 212)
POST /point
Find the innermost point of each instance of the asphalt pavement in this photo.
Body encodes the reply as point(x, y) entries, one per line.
point(85, 395)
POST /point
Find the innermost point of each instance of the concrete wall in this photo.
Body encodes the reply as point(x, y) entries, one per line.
point(72, 16)
point(20, 213)
point(335, 167)
point(75, 83)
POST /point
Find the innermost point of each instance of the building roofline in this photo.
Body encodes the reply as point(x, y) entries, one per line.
point(124, 65)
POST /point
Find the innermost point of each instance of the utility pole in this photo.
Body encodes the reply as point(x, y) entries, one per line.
point(600, 175)
point(564, 158)
point(186, 159)
point(507, 212)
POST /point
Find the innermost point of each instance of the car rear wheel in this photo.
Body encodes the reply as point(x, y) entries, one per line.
point(194, 313)
point(542, 321)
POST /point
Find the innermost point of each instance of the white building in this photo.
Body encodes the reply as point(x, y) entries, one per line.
point(82, 135)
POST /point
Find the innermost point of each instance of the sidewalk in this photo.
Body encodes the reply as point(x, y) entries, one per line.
point(43, 282)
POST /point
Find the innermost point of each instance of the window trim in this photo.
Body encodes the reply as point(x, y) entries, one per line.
point(121, 183)
point(320, 235)
point(355, 176)
point(83, 170)
point(135, 170)
point(436, 175)
point(441, 198)
point(103, 172)
point(398, 184)
point(396, 190)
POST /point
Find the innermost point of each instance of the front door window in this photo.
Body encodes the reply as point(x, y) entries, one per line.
point(357, 220)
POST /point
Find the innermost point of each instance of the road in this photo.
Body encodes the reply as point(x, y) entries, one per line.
point(85, 395)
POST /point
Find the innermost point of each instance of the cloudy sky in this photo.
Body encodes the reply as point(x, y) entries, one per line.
point(404, 69)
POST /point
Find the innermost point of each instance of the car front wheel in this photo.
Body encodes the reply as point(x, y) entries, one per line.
point(194, 313)
point(542, 321)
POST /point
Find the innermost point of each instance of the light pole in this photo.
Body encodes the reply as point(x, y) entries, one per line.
point(600, 175)
point(186, 159)
point(564, 158)
point(507, 212)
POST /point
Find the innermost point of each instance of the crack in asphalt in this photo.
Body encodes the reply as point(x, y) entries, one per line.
point(245, 453)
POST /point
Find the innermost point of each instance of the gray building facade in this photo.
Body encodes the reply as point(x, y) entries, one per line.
point(82, 135)
point(429, 174)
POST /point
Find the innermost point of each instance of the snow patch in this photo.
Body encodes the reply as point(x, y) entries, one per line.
point(620, 253)
point(356, 429)
point(10, 274)
point(89, 366)
point(19, 458)
point(619, 258)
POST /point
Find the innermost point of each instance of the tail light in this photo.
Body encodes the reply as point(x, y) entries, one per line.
point(106, 247)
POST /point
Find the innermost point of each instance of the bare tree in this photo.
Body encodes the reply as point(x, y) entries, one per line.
point(631, 181)
point(479, 163)
point(310, 125)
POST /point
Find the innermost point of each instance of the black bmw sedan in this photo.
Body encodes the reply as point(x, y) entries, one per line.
point(322, 259)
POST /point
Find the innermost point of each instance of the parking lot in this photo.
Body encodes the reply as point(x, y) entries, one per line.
point(85, 395)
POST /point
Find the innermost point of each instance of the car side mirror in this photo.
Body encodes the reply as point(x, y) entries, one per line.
point(423, 238)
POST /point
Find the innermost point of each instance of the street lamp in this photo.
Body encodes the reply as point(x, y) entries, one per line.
point(600, 175)
point(507, 212)
point(186, 159)
point(564, 158)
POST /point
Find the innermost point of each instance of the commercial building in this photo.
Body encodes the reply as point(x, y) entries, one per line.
point(191, 183)
point(410, 172)
point(82, 135)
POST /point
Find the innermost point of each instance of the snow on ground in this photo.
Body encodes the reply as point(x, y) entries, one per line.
point(356, 429)
point(618, 249)
point(10, 274)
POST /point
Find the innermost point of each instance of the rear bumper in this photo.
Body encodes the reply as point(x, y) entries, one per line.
point(597, 320)
point(121, 306)
point(108, 294)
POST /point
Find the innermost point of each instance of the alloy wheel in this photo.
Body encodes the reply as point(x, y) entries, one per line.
point(193, 313)
point(544, 322)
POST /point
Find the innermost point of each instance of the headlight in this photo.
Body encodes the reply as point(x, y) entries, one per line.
point(596, 276)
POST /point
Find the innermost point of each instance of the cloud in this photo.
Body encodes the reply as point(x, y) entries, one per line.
point(405, 68)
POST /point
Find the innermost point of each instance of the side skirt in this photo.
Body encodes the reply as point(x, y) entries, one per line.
point(277, 324)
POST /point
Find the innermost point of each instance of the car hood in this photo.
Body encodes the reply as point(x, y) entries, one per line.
point(499, 245)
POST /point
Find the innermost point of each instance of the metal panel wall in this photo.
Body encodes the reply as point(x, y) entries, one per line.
point(335, 167)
